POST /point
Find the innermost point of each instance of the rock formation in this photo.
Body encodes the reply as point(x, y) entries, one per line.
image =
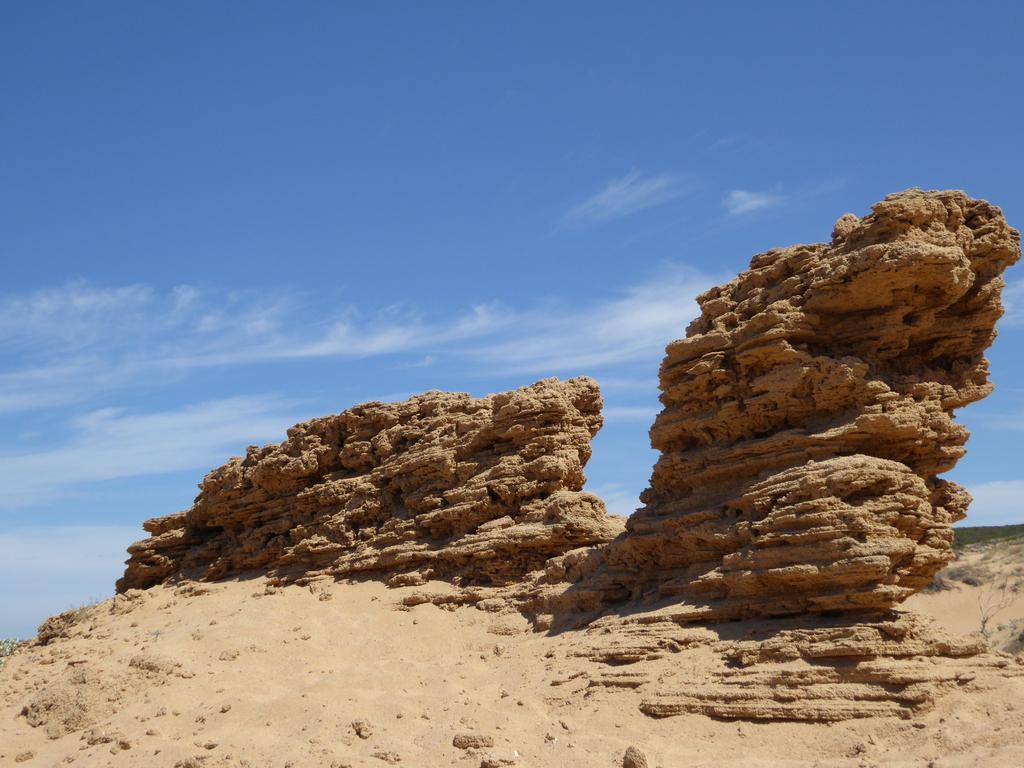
point(479, 491)
point(808, 414)
point(807, 417)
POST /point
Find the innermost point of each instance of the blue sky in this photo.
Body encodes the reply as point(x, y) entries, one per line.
point(218, 219)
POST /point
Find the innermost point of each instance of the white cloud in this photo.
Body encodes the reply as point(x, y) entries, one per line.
point(617, 500)
point(400, 334)
point(65, 345)
point(183, 329)
point(1013, 300)
point(73, 314)
point(108, 444)
point(648, 383)
point(47, 570)
point(634, 326)
point(644, 413)
point(740, 201)
point(351, 337)
point(1000, 502)
point(186, 327)
point(622, 197)
point(78, 341)
point(1008, 418)
point(46, 386)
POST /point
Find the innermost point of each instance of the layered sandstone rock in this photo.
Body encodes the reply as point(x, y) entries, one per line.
point(807, 417)
point(797, 499)
point(480, 491)
point(808, 414)
point(801, 668)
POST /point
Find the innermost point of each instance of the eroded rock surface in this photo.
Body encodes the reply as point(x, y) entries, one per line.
point(808, 414)
point(825, 669)
point(444, 485)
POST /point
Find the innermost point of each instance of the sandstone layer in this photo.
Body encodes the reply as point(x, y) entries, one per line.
point(810, 669)
point(480, 491)
point(808, 415)
point(797, 499)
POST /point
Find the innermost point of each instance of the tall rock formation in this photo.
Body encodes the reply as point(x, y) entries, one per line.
point(808, 415)
point(478, 491)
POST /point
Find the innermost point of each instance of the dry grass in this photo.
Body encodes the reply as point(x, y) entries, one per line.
point(972, 575)
point(60, 625)
point(992, 571)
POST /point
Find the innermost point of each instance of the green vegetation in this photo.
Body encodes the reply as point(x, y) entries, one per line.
point(967, 535)
point(8, 648)
point(1014, 631)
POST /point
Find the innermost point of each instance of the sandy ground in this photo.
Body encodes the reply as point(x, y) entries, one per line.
point(985, 579)
point(337, 674)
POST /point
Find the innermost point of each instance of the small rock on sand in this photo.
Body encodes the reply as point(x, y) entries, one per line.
point(471, 741)
point(634, 758)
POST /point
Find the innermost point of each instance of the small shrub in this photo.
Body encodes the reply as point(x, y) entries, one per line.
point(994, 597)
point(8, 647)
point(1015, 643)
point(939, 583)
point(964, 536)
point(971, 575)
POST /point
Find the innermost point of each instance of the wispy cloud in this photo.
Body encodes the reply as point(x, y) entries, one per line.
point(236, 326)
point(1008, 416)
point(644, 413)
point(617, 499)
point(107, 444)
point(50, 384)
point(129, 337)
point(622, 197)
point(647, 384)
point(65, 345)
point(1013, 300)
point(56, 568)
point(996, 503)
point(73, 314)
point(741, 201)
point(633, 326)
point(79, 341)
